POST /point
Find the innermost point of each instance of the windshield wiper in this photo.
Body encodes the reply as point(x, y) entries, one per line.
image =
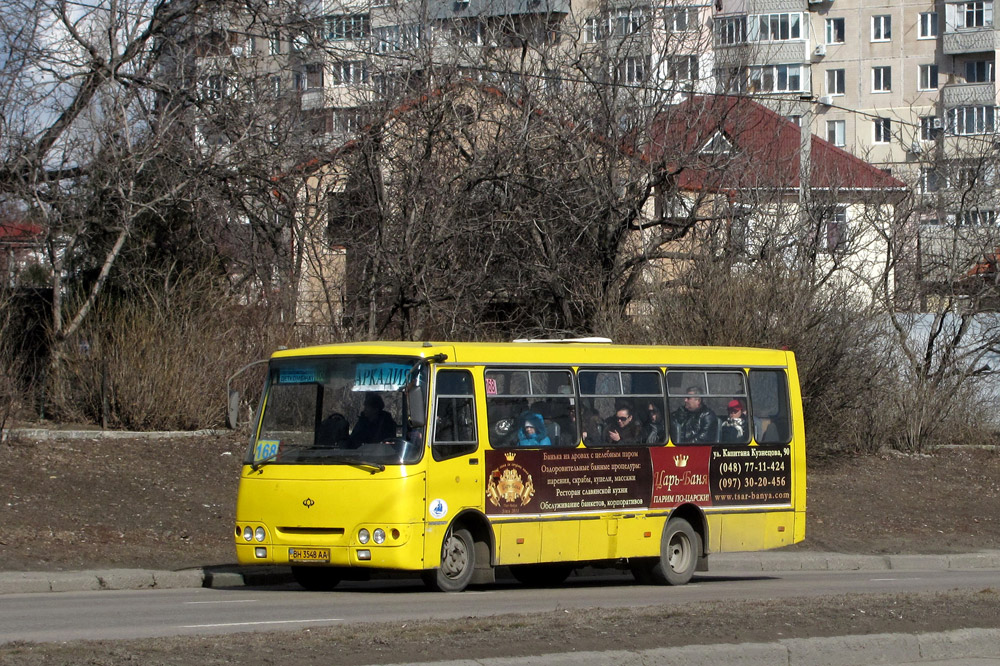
point(257, 464)
point(375, 467)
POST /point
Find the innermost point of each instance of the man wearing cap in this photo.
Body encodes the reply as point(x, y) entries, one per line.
point(735, 427)
point(693, 422)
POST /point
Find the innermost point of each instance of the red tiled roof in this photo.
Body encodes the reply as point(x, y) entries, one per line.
point(988, 265)
point(765, 150)
point(11, 231)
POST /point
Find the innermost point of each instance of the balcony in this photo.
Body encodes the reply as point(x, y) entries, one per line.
point(450, 9)
point(969, 28)
point(969, 94)
point(969, 41)
point(764, 53)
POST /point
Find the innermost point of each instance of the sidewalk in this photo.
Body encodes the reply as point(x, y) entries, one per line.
point(965, 647)
point(20, 582)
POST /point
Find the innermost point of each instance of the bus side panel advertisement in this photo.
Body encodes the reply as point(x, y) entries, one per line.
point(538, 481)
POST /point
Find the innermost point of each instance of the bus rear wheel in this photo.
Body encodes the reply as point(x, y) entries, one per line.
point(317, 579)
point(458, 562)
point(679, 548)
point(541, 575)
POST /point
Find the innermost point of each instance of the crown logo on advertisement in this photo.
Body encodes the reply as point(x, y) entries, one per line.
point(509, 455)
point(681, 461)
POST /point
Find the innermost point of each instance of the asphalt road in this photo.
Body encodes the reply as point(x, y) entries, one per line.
point(146, 613)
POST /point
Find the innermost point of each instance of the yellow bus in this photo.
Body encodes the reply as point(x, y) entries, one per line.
point(451, 459)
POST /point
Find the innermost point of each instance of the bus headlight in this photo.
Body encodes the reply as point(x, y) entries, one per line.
point(363, 535)
point(378, 536)
point(247, 533)
point(259, 534)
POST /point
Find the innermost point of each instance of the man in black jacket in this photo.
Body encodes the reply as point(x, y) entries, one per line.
point(693, 422)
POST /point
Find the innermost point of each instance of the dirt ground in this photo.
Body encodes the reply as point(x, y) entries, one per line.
point(168, 504)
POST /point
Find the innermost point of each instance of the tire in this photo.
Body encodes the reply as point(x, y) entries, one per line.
point(541, 575)
point(679, 548)
point(317, 579)
point(458, 562)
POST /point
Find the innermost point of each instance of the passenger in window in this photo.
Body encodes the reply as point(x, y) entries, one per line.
point(625, 429)
point(532, 431)
point(656, 431)
point(735, 427)
point(374, 424)
point(592, 428)
point(693, 422)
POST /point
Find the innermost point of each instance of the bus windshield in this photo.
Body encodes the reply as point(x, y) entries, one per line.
point(338, 410)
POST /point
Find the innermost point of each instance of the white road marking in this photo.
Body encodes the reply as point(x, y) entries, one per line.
point(228, 601)
point(250, 624)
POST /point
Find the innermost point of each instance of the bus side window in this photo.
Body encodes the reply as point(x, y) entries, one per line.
point(517, 396)
point(622, 407)
point(454, 415)
point(769, 394)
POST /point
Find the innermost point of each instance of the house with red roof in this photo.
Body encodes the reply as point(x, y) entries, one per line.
point(21, 246)
point(734, 176)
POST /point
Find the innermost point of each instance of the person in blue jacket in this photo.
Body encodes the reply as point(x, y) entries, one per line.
point(532, 431)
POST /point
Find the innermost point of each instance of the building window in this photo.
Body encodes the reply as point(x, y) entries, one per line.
point(930, 128)
point(979, 71)
point(274, 43)
point(779, 27)
point(930, 182)
point(881, 79)
point(350, 72)
point(731, 79)
point(835, 31)
point(928, 78)
point(346, 27)
point(633, 69)
point(967, 120)
point(681, 19)
point(314, 77)
point(835, 229)
point(276, 85)
point(213, 86)
point(974, 15)
point(682, 68)
point(731, 30)
point(881, 28)
point(835, 82)
point(928, 25)
point(776, 78)
point(620, 23)
point(392, 38)
point(795, 119)
point(835, 132)
point(883, 130)
point(979, 218)
point(627, 21)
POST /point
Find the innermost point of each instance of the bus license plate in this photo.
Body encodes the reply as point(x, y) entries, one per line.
point(309, 554)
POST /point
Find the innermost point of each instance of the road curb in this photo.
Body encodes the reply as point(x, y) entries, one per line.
point(43, 434)
point(222, 576)
point(829, 651)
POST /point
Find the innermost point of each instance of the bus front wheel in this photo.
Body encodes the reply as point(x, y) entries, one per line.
point(458, 562)
point(678, 552)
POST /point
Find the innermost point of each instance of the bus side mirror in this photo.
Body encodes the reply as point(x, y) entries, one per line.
point(417, 406)
point(233, 409)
